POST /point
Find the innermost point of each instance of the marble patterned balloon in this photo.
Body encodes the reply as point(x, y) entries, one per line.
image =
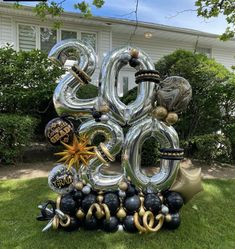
point(174, 94)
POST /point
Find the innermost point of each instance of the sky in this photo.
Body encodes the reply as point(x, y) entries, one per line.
point(166, 12)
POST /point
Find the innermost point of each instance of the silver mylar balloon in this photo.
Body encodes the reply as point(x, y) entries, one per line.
point(94, 174)
point(131, 159)
point(65, 97)
point(73, 49)
point(61, 180)
point(174, 93)
point(108, 81)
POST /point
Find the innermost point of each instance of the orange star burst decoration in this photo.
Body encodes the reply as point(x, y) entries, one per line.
point(78, 153)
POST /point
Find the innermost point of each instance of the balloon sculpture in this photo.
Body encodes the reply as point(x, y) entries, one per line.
point(90, 196)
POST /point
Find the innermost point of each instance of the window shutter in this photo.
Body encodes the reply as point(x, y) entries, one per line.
point(27, 37)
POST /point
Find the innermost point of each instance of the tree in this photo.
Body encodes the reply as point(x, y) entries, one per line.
point(207, 78)
point(214, 8)
point(205, 8)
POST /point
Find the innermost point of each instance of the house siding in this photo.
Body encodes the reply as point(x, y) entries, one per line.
point(6, 31)
point(110, 37)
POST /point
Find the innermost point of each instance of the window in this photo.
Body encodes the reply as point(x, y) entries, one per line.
point(205, 51)
point(89, 38)
point(125, 84)
point(65, 34)
point(27, 37)
point(48, 39)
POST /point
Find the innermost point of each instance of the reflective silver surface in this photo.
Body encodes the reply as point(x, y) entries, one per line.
point(108, 82)
point(65, 97)
point(114, 139)
point(131, 157)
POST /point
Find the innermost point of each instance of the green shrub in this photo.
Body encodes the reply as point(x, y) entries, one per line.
point(27, 81)
point(229, 131)
point(208, 147)
point(87, 91)
point(206, 77)
point(16, 131)
point(130, 96)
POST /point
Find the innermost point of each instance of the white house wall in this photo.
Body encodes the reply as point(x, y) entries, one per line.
point(224, 56)
point(154, 47)
point(6, 30)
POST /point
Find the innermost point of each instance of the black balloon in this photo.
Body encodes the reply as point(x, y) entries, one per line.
point(68, 205)
point(110, 225)
point(174, 201)
point(132, 204)
point(74, 224)
point(91, 223)
point(130, 190)
point(153, 203)
point(134, 62)
point(174, 223)
point(88, 201)
point(77, 196)
point(129, 225)
point(96, 114)
point(59, 129)
point(112, 201)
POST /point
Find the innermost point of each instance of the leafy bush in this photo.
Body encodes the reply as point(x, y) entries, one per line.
point(203, 115)
point(87, 91)
point(27, 81)
point(209, 147)
point(16, 131)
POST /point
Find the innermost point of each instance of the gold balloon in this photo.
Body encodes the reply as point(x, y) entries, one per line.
point(121, 213)
point(123, 186)
point(171, 118)
point(160, 112)
point(79, 186)
point(188, 182)
point(80, 214)
point(134, 53)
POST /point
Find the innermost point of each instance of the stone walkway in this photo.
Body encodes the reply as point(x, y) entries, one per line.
point(34, 170)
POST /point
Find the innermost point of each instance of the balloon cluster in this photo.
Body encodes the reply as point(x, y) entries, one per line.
point(90, 197)
point(136, 211)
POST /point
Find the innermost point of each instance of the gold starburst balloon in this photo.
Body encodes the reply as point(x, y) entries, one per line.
point(77, 153)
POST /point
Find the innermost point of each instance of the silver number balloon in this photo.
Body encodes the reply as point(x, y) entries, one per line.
point(111, 66)
point(131, 158)
point(114, 139)
point(65, 97)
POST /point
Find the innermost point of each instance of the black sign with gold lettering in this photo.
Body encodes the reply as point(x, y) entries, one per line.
point(59, 129)
point(61, 180)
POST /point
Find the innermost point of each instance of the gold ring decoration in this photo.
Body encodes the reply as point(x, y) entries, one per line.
point(149, 227)
point(106, 210)
point(55, 222)
point(99, 212)
point(106, 152)
point(58, 200)
point(137, 224)
point(65, 222)
point(98, 154)
point(141, 210)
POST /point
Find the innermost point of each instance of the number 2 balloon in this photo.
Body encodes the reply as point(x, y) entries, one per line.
point(101, 198)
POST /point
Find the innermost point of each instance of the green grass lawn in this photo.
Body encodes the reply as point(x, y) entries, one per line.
point(208, 221)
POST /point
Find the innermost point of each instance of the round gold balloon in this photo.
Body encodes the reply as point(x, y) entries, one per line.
point(160, 112)
point(171, 118)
